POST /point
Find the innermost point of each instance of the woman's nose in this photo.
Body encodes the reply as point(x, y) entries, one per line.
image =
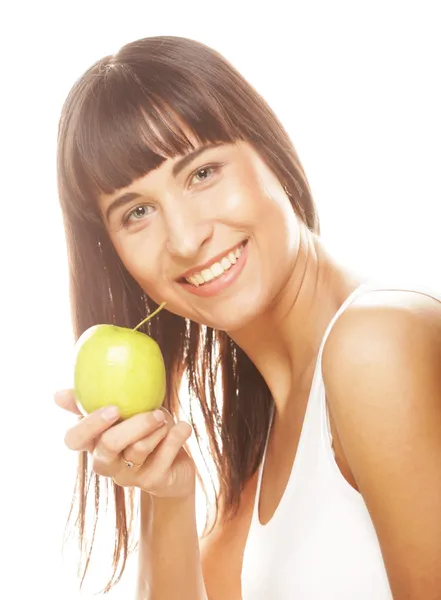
point(186, 234)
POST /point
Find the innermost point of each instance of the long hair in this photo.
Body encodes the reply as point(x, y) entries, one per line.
point(121, 119)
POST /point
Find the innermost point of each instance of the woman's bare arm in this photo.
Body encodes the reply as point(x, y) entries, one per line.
point(382, 374)
point(169, 556)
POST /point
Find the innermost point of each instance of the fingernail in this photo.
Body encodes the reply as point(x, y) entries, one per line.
point(110, 413)
point(159, 415)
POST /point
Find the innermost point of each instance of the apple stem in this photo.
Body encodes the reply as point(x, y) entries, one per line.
point(150, 316)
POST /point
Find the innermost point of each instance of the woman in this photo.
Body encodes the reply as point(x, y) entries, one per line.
point(178, 184)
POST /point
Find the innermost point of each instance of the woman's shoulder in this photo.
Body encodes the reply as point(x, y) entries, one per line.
point(397, 294)
point(384, 333)
point(382, 376)
point(390, 313)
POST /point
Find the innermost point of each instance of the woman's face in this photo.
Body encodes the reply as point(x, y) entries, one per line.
point(221, 206)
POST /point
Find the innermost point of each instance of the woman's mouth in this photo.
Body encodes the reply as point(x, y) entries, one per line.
point(218, 276)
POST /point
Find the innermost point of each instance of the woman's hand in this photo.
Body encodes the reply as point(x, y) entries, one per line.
point(150, 440)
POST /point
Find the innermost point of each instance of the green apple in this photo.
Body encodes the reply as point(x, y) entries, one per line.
point(121, 367)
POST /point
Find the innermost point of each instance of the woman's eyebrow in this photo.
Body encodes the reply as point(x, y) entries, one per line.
point(119, 202)
point(177, 168)
point(191, 156)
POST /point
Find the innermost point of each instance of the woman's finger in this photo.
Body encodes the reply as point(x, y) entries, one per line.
point(140, 450)
point(137, 454)
point(109, 447)
point(157, 466)
point(80, 435)
point(66, 399)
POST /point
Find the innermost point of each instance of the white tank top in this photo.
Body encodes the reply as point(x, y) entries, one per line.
point(320, 543)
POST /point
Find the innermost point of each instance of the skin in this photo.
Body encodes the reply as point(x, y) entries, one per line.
point(388, 349)
point(380, 363)
point(276, 315)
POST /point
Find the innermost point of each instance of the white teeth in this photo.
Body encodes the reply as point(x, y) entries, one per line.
point(193, 280)
point(207, 275)
point(217, 269)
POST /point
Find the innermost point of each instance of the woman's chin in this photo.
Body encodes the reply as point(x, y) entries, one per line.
point(230, 321)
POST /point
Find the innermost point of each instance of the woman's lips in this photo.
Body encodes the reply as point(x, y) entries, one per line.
point(215, 286)
point(210, 263)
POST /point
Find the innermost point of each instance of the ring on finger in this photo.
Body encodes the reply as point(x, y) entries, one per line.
point(129, 463)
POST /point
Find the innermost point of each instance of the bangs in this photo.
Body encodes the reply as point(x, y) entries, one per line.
point(126, 128)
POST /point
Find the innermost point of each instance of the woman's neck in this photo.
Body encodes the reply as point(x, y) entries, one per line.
point(284, 342)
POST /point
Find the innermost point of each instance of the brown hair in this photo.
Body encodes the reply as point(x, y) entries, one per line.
point(117, 123)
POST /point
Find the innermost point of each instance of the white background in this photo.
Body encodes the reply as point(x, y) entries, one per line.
point(357, 86)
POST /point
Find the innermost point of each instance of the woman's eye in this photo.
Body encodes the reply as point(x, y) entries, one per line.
point(138, 213)
point(202, 175)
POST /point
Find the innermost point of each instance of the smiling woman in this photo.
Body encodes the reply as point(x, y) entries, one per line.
point(178, 184)
point(197, 210)
point(161, 102)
